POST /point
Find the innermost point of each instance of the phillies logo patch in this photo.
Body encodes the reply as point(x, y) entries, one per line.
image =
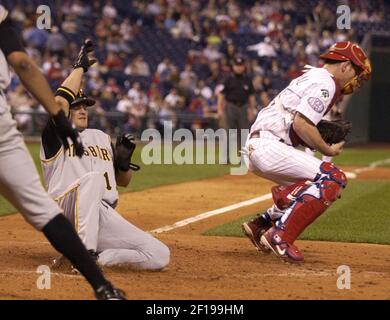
point(325, 93)
point(316, 104)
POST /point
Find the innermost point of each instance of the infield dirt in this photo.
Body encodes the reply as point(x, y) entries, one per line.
point(201, 267)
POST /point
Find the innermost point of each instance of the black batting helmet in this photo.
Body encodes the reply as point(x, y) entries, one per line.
point(81, 98)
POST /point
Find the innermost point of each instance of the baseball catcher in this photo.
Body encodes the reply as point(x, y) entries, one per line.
point(306, 186)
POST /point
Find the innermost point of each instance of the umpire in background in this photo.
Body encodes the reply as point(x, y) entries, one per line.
point(236, 101)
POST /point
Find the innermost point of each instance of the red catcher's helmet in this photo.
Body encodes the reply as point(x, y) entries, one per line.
point(349, 51)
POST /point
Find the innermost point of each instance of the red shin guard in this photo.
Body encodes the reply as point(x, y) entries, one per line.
point(308, 207)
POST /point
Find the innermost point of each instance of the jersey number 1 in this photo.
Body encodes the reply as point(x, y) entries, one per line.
point(108, 186)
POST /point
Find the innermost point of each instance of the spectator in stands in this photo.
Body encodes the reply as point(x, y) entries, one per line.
point(80, 8)
point(107, 99)
point(113, 86)
point(323, 17)
point(264, 100)
point(326, 40)
point(33, 35)
point(20, 101)
point(135, 92)
point(188, 76)
point(56, 42)
point(155, 8)
point(204, 91)
point(199, 109)
point(167, 116)
point(264, 48)
point(17, 13)
point(173, 100)
point(164, 65)
point(113, 62)
point(212, 53)
point(138, 67)
point(124, 104)
point(109, 10)
point(183, 28)
point(69, 25)
point(293, 72)
point(126, 30)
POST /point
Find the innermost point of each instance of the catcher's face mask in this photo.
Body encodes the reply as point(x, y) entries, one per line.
point(348, 51)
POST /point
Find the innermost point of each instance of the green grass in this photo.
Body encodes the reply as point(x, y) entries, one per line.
point(361, 215)
point(362, 157)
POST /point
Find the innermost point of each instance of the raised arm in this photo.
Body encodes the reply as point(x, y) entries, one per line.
point(36, 84)
point(71, 85)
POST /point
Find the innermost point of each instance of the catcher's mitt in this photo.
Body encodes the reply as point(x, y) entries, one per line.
point(124, 148)
point(334, 131)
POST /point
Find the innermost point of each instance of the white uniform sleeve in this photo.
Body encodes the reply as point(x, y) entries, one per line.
point(316, 99)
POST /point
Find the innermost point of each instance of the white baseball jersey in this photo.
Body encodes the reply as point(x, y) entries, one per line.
point(64, 168)
point(312, 94)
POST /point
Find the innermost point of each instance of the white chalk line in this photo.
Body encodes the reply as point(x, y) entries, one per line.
point(372, 165)
point(208, 214)
point(5, 272)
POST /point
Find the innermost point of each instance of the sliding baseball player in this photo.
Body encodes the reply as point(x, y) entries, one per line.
point(86, 188)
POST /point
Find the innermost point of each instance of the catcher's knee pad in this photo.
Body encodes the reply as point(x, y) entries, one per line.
point(283, 196)
point(330, 171)
point(313, 199)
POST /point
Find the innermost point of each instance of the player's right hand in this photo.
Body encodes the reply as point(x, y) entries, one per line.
point(337, 148)
point(83, 60)
point(67, 130)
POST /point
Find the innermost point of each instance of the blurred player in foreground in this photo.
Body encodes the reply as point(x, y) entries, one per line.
point(19, 180)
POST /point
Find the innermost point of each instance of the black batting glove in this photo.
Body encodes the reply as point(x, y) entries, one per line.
point(83, 61)
point(67, 130)
point(124, 149)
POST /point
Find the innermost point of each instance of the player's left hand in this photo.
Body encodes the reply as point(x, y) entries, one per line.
point(124, 149)
point(333, 132)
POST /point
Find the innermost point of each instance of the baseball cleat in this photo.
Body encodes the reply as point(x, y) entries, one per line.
point(109, 292)
point(272, 239)
point(254, 229)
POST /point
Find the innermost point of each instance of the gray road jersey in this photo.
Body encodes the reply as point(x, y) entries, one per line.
point(5, 80)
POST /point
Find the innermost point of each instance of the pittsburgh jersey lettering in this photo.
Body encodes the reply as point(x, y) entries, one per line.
point(91, 151)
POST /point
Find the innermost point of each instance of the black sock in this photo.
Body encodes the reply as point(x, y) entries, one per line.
point(61, 234)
